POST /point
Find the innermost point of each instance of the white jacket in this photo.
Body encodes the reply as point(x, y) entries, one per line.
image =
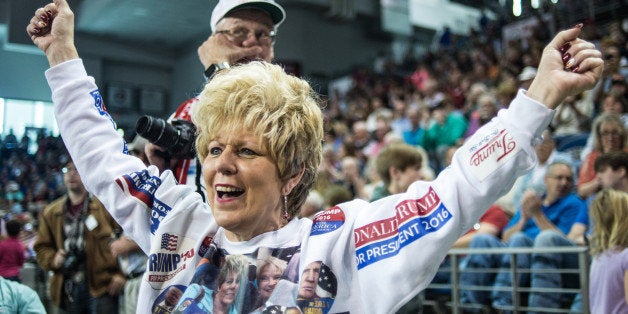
point(374, 256)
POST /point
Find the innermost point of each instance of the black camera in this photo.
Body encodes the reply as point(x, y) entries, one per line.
point(71, 263)
point(177, 137)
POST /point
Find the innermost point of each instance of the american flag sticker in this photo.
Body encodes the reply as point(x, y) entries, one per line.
point(169, 242)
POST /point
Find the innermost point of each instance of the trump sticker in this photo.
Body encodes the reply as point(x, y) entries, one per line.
point(490, 152)
point(328, 221)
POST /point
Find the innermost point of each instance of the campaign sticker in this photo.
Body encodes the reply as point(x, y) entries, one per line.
point(172, 255)
point(328, 221)
point(490, 153)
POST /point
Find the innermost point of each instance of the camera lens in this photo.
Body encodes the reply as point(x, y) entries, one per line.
point(176, 137)
point(157, 131)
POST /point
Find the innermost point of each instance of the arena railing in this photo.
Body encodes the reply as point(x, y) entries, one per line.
point(455, 255)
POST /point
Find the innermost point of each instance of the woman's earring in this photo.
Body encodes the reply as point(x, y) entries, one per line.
point(285, 215)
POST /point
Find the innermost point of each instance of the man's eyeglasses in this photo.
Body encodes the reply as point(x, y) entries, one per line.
point(65, 170)
point(238, 35)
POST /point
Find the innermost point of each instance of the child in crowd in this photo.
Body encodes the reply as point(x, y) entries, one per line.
point(12, 252)
point(609, 247)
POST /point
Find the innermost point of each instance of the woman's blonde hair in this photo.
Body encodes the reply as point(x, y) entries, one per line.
point(609, 218)
point(282, 110)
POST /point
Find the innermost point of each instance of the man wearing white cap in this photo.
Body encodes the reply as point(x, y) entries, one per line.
point(242, 30)
point(233, 22)
point(526, 76)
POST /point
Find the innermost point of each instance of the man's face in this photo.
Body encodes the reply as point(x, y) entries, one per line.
point(611, 178)
point(172, 296)
point(487, 109)
point(403, 178)
point(612, 105)
point(611, 58)
point(309, 280)
point(559, 181)
point(254, 22)
point(545, 149)
point(71, 178)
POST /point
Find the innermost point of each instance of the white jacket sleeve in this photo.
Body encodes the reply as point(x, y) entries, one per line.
point(397, 243)
point(101, 156)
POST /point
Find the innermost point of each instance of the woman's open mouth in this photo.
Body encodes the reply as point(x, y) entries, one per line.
point(228, 191)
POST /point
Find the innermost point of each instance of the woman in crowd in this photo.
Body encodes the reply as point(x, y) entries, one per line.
point(609, 247)
point(609, 136)
point(259, 140)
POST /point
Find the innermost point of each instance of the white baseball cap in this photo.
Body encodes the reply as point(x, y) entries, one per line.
point(224, 7)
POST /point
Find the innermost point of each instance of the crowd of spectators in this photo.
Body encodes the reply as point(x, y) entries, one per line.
point(29, 181)
point(432, 102)
point(435, 101)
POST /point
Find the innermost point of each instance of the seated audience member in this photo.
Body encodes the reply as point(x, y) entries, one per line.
point(546, 154)
point(612, 171)
point(491, 223)
point(378, 110)
point(329, 169)
point(379, 137)
point(426, 170)
point(612, 68)
point(358, 140)
point(487, 108)
point(609, 136)
point(573, 117)
point(398, 165)
point(474, 92)
point(336, 194)
point(415, 134)
point(12, 254)
point(526, 76)
point(615, 102)
point(447, 127)
point(557, 210)
point(608, 277)
point(372, 178)
point(18, 298)
point(352, 177)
